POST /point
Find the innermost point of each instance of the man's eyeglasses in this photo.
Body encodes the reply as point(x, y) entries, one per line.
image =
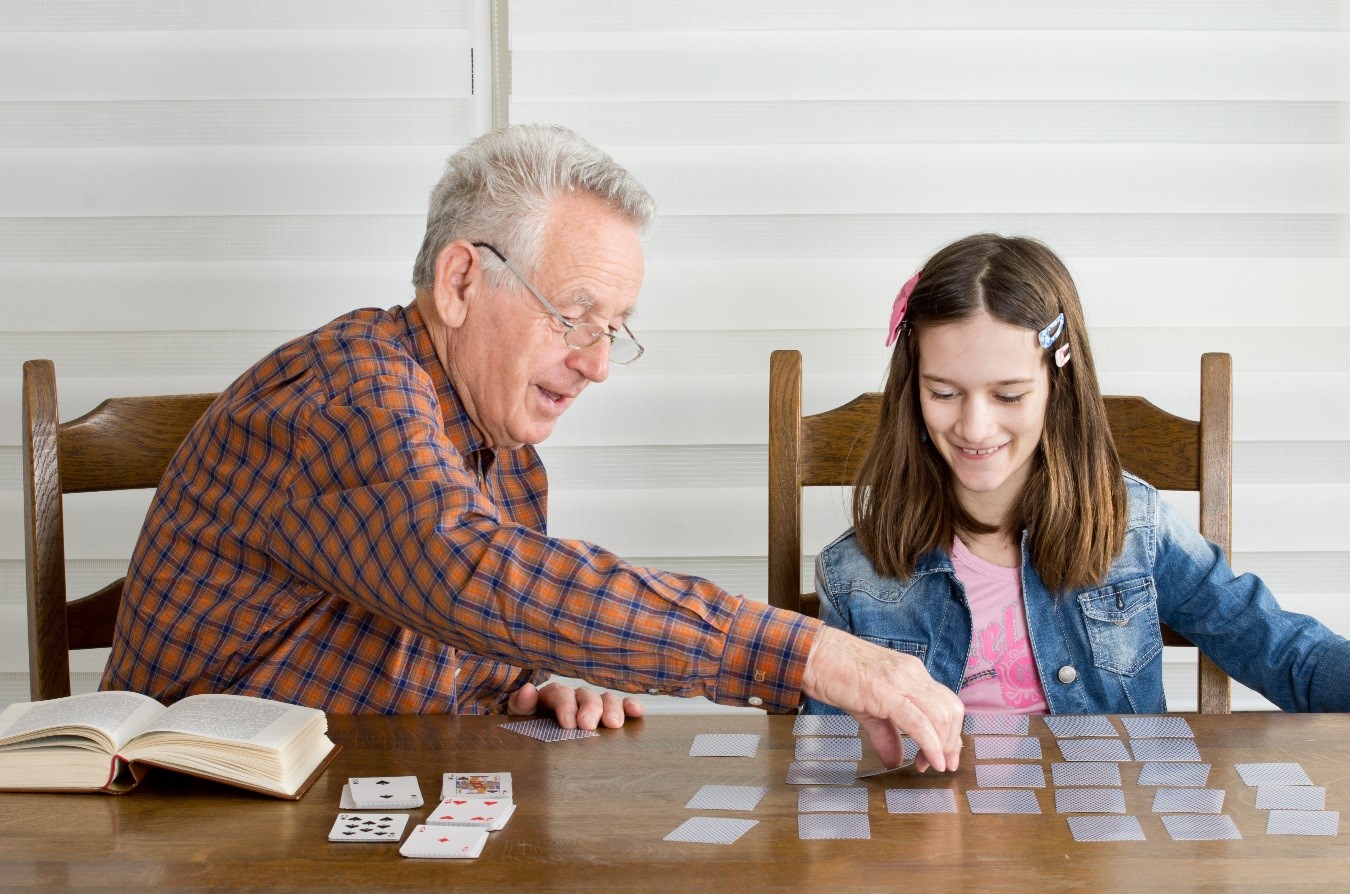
point(579, 336)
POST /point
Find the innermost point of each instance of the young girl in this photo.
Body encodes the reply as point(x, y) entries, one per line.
point(996, 538)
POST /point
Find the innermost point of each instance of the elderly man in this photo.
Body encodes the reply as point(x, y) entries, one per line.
point(358, 523)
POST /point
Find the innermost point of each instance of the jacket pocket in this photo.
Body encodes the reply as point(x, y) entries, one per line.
point(918, 650)
point(1122, 625)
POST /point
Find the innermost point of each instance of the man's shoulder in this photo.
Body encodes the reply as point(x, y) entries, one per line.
point(366, 345)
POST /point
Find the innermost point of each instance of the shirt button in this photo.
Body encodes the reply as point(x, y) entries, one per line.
point(653, 691)
point(754, 701)
point(1067, 674)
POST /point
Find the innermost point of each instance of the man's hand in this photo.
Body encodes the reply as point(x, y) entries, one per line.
point(889, 693)
point(575, 708)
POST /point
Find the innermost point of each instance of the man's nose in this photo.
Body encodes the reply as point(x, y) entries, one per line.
point(593, 361)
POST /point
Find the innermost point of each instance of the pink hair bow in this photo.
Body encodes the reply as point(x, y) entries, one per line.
point(899, 308)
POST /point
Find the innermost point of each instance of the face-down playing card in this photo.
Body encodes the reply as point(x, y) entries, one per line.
point(1164, 750)
point(384, 827)
point(1089, 800)
point(833, 825)
point(1086, 773)
point(1003, 801)
point(1303, 822)
point(1009, 776)
point(832, 799)
point(1188, 800)
point(724, 745)
point(821, 773)
point(1093, 749)
point(920, 800)
point(996, 725)
point(547, 729)
point(727, 797)
point(1071, 725)
point(711, 830)
point(1140, 727)
point(1200, 827)
point(1007, 747)
point(829, 748)
point(1174, 774)
point(1106, 828)
point(824, 725)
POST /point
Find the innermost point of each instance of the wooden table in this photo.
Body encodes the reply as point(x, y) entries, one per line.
point(592, 813)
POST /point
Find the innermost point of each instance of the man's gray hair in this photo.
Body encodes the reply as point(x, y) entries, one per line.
point(501, 188)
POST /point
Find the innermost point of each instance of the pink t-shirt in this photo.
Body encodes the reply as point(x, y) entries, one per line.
point(1001, 673)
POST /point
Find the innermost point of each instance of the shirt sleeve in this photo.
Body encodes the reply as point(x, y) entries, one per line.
point(382, 511)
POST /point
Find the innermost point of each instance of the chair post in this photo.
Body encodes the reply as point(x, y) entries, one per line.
point(785, 480)
point(1216, 498)
point(44, 535)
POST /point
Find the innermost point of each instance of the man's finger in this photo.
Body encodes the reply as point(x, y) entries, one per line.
point(562, 701)
point(523, 701)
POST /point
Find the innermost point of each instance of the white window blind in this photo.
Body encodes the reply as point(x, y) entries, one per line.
point(1188, 159)
point(185, 186)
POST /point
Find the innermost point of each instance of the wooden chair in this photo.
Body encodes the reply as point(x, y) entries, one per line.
point(1167, 451)
point(123, 443)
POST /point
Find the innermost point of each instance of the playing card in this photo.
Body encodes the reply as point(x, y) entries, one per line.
point(1291, 797)
point(488, 813)
point(724, 745)
point(444, 842)
point(1157, 728)
point(829, 749)
point(546, 729)
point(727, 797)
point(1200, 827)
point(381, 793)
point(1089, 800)
point(476, 785)
point(833, 825)
point(1003, 801)
point(1303, 822)
point(824, 725)
point(1183, 774)
point(1105, 828)
point(920, 800)
point(1010, 776)
point(1025, 747)
point(821, 773)
point(369, 827)
point(1188, 800)
point(1164, 750)
point(1069, 725)
point(996, 725)
point(1273, 774)
point(711, 830)
point(1092, 749)
point(832, 799)
point(1086, 773)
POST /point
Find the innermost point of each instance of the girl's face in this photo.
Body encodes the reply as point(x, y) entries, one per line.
point(983, 388)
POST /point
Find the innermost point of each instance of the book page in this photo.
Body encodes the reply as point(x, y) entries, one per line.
point(111, 718)
point(237, 718)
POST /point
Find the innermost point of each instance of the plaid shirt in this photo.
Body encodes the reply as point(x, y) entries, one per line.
point(335, 533)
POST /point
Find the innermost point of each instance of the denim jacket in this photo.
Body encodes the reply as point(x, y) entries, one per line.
point(1098, 650)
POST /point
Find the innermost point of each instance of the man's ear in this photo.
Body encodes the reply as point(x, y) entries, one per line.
point(458, 278)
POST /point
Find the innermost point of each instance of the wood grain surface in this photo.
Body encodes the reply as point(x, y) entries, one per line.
point(592, 813)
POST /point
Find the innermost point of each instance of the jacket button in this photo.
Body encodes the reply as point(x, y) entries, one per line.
point(1067, 674)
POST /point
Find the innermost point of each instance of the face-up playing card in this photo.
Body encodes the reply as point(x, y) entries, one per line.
point(725, 745)
point(1164, 750)
point(812, 748)
point(994, 747)
point(369, 827)
point(1291, 797)
point(1092, 749)
point(1003, 801)
point(1086, 773)
point(476, 785)
point(381, 793)
point(1273, 774)
point(1183, 774)
point(833, 825)
point(1010, 776)
point(1089, 800)
point(546, 729)
point(711, 830)
point(1200, 827)
point(824, 725)
point(832, 799)
point(487, 813)
point(821, 773)
point(1106, 828)
point(920, 800)
point(1303, 822)
point(1085, 725)
point(1188, 800)
point(727, 797)
point(444, 842)
point(1157, 728)
point(996, 725)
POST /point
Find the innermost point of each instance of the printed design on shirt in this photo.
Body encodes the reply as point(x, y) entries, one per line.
point(1001, 651)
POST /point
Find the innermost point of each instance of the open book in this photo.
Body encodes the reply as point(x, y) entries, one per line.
point(103, 741)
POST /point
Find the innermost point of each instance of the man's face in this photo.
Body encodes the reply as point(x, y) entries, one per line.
point(510, 364)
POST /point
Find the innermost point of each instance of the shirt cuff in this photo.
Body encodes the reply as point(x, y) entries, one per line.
point(765, 658)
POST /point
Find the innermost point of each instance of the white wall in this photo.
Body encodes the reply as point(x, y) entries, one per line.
point(185, 185)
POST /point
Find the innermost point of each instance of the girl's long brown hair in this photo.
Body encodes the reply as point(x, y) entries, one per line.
point(1073, 504)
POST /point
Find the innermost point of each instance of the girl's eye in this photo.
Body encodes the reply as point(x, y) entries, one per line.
point(942, 395)
point(1009, 398)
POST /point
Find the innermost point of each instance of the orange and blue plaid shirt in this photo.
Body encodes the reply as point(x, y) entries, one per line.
point(334, 532)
